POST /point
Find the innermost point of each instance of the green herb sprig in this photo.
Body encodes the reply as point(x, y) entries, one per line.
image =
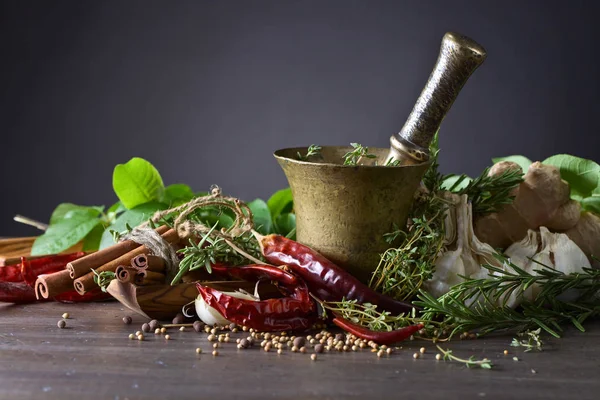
point(530, 339)
point(470, 362)
point(355, 156)
point(313, 150)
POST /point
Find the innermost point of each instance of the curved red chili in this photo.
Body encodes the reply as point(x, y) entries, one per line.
point(376, 336)
point(326, 281)
point(17, 292)
point(265, 315)
point(36, 266)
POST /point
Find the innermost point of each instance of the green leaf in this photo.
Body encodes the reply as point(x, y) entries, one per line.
point(137, 182)
point(68, 210)
point(522, 161)
point(280, 202)
point(177, 194)
point(262, 216)
point(66, 232)
point(91, 242)
point(211, 217)
point(133, 218)
point(285, 223)
point(456, 183)
point(591, 203)
point(116, 208)
point(582, 175)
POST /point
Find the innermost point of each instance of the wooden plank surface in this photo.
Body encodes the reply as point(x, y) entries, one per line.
point(94, 359)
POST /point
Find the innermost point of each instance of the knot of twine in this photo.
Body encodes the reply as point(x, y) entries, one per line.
point(157, 245)
point(187, 228)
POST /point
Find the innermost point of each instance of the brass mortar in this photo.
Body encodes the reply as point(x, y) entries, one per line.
point(343, 211)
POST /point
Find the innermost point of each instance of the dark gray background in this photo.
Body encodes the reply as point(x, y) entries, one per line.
point(207, 90)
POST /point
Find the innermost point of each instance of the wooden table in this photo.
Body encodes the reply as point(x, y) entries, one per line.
point(94, 359)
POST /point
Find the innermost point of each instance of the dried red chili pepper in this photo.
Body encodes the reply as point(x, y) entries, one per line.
point(295, 312)
point(16, 292)
point(376, 336)
point(326, 281)
point(36, 266)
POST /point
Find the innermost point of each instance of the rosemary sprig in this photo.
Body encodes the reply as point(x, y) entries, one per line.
point(529, 339)
point(214, 249)
point(470, 362)
point(355, 156)
point(479, 304)
point(489, 193)
point(313, 150)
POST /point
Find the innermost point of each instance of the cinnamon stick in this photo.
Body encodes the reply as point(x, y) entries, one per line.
point(125, 274)
point(86, 282)
point(83, 266)
point(153, 276)
point(148, 262)
point(50, 285)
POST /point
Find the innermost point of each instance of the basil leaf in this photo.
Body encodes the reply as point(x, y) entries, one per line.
point(177, 194)
point(592, 204)
point(211, 217)
point(133, 218)
point(68, 210)
point(456, 183)
point(280, 202)
point(65, 233)
point(262, 216)
point(116, 208)
point(285, 224)
point(582, 175)
point(91, 242)
point(137, 182)
point(522, 161)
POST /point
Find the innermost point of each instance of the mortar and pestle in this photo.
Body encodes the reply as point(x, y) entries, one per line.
point(343, 211)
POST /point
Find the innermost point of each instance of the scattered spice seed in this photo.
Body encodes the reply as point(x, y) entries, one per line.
point(389, 351)
point(422, 350)
point(319, 348)
point(138, 333)
point(216, 346)
point(65, 315)
point(416, 356)
point(127, 320)
point(157, 331)
point(198, 326)
point(515, 358)
point(211, 338)
point(198, 350)
point(302, 349)
point(294, 349)
point(167, 337)
point(313, 357)
point(61, 324)
point(215, 353)
point(380, 353)
point(438, 356)
point(279, 351)
point(299, 342)
point(182, 329)
point(163, 330)
point(146, 327)
point(179, 318)
point(140, 337)
point(131, 336)
point(154, 324)
point(505, 352)
point(533, 371)
point(244, 343)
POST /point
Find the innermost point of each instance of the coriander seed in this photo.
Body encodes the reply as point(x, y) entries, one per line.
point(65, 315)
point(163, 330)
point(313, 357)
point(416, 356)
point(198, 350)
point(131, 336)
point(182, 329)
point(438, 356)
point(215, 353)
point(167, 337)
point(422, 350)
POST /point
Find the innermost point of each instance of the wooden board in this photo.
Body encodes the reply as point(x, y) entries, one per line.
point(94, 359)
point(11, 250)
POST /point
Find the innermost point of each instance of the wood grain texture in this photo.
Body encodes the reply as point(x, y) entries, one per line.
point(94, 359)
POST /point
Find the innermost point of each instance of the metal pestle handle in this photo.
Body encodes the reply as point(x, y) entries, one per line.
point(459, 58)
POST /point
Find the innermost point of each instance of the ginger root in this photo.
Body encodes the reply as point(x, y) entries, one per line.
point(586, 235)
point(542, 199)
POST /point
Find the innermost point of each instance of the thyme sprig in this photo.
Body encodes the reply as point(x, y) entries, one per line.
point(366, 315)
point(357, 154)
point(470, 362)
point(103, 278)
point(530, 339)
point(312, 150)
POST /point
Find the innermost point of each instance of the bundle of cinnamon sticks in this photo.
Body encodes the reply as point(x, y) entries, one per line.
point(136, 261)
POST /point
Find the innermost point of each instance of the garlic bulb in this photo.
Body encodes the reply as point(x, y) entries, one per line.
point(468, 256)
point(520, 254)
